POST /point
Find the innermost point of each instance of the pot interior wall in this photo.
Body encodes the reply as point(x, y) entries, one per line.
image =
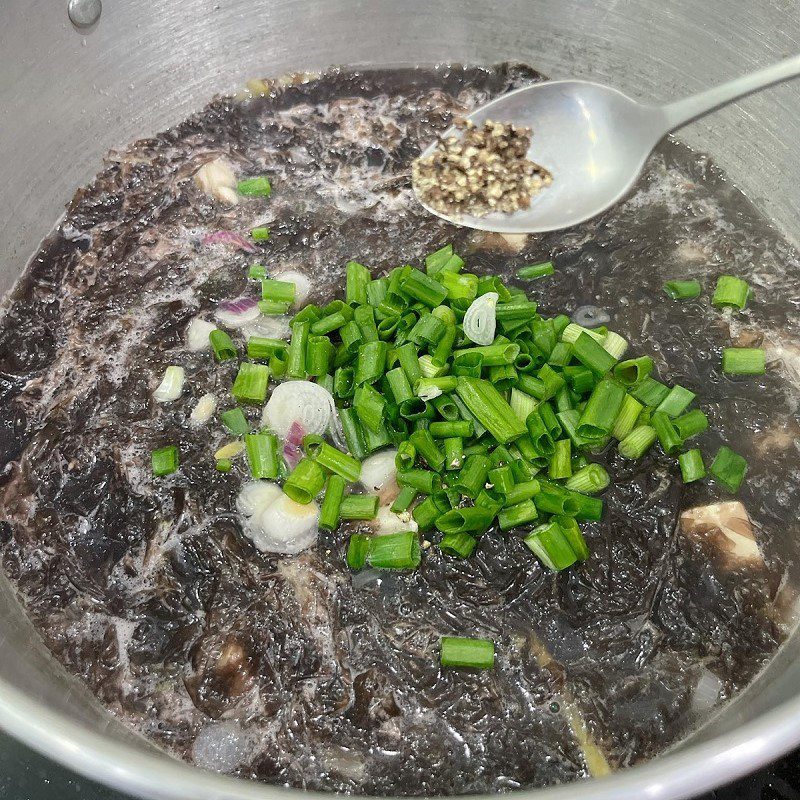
point(67, 98)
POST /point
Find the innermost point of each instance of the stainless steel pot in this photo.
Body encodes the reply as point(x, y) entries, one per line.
point(66, 97)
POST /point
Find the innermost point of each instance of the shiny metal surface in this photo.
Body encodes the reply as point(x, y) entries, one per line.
point(66, 99)
point(594, 140)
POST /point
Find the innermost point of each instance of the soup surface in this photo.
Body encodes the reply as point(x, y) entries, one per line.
point(293, 669)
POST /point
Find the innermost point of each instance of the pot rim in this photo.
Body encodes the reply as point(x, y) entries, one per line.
point(680, 774)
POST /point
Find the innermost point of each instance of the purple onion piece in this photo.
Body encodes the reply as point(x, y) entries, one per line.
point(237, 313)
point(232, 238)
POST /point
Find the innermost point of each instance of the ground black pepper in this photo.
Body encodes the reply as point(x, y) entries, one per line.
point(485, 170)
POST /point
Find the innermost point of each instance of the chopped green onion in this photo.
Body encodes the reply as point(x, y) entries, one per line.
point(589, 479)
point(516, 515)
point(357, 550)
point(331, 504)
point(430, 388)
point(459, 288)
point(593, 355)
point(743, 361)
point(333, 460)
point(273, 308)
point(522, 491)
point(262, 348)
point(676, 402)
point(255, 187)
point(453, 453)
point(728, 468)
point(305, 481)
point(370, 406)
point(250, 385)
point(491, 283)
point(691, 464)
point(257, 272)
point(493, 355)
point(447, 430)
point(633, 370)
point(572, 533)
point(394, 551)
point(371, 362)
point(430, 509)
point(637, 442)
point(572, 331)
point(421, 287)
point(682, 290)
point(259, 234)
point(535, 271)
point(561, 460)
point(344, 382)
point(602, 409)
point(353, 432)
point(458, 545)
point(626, 419)
point(491, 410)
point(376, 291)
point(650, 392)
point(278, 291)
point(427, 448)
point(262, 454)
point(277, 364)
point(522, 404)
point(422, 480)
point(436, 260)
point(457, 651)
point(221, 344)
point(164, 460)
point(560, 355)
point(667, 434)
point(464, 520)
point(549, 544)
point(472, 476)
point(690, 424)
point(582, 379)
point(502, 478)
point(359, 506)
point(296, 354)
point(235, 421)
point(405, 497)
point(330, 323)
point(358, 278)
point(615, 344)
point(406, 456)
point(731, 292)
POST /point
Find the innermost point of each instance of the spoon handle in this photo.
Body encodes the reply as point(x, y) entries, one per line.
point(682, 111)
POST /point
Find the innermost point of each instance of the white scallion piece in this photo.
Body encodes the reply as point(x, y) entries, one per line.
point(302, 285)
point(171, 386)
point(230, 450)
point(203, 411)
point(378, 470)
point(389, 522)
point(197, 334)
point(480, 321)
point(285, 526)
point(217, 180)
point(304, 402)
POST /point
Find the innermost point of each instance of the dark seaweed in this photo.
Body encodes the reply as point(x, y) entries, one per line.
point(148, 590)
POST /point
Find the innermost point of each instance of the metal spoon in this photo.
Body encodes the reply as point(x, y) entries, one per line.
point(595, 141)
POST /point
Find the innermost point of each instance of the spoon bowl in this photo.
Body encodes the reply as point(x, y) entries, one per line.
point(577, 129)
point(594, 140)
